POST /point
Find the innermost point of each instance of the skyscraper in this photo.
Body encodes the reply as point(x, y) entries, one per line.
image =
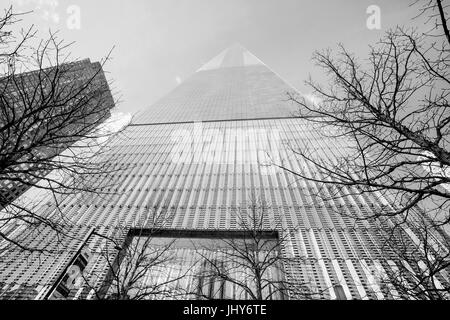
point(202, 153)
point(45, 101)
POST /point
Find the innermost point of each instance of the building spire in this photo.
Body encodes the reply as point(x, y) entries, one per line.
point(234, 56)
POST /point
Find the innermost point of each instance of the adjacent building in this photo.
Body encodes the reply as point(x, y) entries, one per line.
point(63, 103)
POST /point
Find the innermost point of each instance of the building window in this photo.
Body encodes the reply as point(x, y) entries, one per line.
point(193, 265)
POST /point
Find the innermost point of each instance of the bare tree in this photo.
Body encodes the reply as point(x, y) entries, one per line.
point(251, 262)
point(52, 132)
point(145, 266)
point(393, 112)
point(416, 261)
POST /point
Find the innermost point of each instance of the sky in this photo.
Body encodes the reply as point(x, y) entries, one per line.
point(159, 43)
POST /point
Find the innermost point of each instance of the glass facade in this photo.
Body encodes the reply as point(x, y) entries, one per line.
point(201, 154)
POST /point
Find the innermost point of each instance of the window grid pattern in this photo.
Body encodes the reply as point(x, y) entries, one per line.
point(201, 173)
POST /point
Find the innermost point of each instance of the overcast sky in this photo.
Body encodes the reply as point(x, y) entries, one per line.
point(161, 42)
